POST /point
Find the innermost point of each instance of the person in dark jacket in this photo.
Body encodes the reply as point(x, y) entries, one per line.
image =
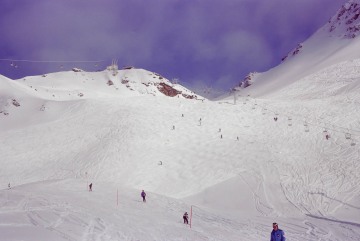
point(90, 187)
point(277, 234)
point(186, 218)
point(143, 195)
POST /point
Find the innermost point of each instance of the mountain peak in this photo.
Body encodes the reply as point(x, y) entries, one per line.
point(346, 22)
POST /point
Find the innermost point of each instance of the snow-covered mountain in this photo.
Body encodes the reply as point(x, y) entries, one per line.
point(336, 43)
point(51, 91)
point(346, 22)
point(288, 153)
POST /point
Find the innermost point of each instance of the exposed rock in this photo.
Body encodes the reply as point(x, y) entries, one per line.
point(189, 96)
point(346, 22)
point(15, 103)
point(77, 70)
point(297, 49)
point(246, 82)
point(293, 52)
point(167, 90)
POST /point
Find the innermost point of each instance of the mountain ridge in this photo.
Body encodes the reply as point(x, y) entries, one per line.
point(326, 47)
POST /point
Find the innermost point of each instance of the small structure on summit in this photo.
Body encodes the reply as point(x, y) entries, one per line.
point(128, 67)
point(113, 67)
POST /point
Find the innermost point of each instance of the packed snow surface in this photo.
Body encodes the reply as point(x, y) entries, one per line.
point(227, 163)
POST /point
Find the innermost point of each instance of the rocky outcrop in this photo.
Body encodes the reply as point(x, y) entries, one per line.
point(247, 81)
point(293, 52)
point(189, 96)
point(346, 22)
point(167, 90)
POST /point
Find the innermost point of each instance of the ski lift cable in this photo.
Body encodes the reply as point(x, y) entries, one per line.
point(342, 129)
point(325, 125)
point(53, 61)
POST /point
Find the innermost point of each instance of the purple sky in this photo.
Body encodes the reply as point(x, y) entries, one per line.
point(200, 42)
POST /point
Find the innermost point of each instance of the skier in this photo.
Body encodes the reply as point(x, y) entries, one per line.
point(186, 218)
point(160, 163)
point(143, 194)
point(90, 187)
point(327, 136)
point(9, 186)
point(277, 234)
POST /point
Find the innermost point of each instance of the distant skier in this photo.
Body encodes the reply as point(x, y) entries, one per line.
point(182, 115)
point(90, 187)
point(143, 195)
point(327, 136)
point(237, 138)
point(277, 234)
point(173, 128)
point(221, 136)
point(9, 186)
point(160, 163)
point(275, 118)
point(186, 218)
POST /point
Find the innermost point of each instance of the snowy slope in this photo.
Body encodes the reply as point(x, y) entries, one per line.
point(274, 172)
point(337, 41)
point(32, 95)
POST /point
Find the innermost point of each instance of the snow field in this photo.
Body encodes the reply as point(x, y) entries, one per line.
point(274, 172)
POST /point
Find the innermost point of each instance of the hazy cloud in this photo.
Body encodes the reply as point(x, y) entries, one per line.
point(217, 42)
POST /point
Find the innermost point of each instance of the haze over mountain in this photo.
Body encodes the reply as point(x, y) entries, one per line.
point(202, 43)
point(285, 149)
